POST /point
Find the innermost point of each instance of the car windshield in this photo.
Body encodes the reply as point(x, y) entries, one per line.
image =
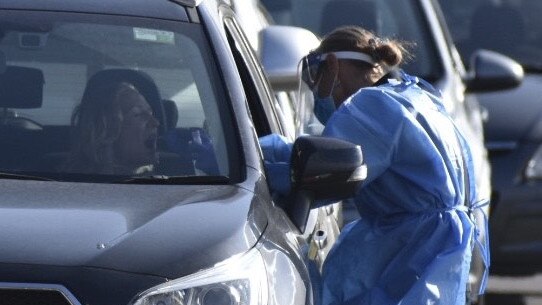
point(387, 18)
point(511, 27)
point(108, 98)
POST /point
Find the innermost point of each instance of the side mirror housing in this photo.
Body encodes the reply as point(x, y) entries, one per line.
point(492, 71)
point(322, 168)
point(326, 168)
point(281, 49)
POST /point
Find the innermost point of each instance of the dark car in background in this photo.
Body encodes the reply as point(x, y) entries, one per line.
point(513, 130)
point(176, 234)
point(435, 59)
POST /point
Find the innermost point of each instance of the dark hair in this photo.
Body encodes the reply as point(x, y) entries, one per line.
point(389, 52)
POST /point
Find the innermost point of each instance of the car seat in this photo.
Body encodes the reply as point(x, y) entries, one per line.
point(171, 114)
point(20, 137)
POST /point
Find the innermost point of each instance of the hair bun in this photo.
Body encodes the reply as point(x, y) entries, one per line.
point(389, 53)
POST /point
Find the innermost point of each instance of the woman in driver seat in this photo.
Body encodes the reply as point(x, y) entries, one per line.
point(115, 131)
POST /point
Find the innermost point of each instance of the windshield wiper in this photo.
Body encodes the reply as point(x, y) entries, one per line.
point(162, 179)
point(15, 176)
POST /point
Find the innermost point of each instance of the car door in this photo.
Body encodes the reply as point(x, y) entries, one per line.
point(322, 227)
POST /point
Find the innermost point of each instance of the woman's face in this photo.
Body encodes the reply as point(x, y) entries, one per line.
point(136, 145)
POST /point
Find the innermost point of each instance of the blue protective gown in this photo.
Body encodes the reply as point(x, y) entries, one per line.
point(414, 240)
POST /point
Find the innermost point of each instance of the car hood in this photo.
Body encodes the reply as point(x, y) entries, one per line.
point(516, 114)
point(164, 230)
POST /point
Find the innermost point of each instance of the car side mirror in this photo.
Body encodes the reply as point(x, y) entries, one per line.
point(281, 49)
point(322, 169)
point(492, 71)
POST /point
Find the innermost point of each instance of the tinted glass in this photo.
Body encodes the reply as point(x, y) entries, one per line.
point(388, 18)
point(513, 27)
point(95, 97)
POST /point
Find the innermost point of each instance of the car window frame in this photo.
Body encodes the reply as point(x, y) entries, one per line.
point(265, 116)
point(457, 62)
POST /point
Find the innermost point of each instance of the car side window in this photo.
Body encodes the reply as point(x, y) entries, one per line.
point(259, 95)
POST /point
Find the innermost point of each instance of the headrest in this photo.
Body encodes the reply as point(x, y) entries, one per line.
point(171, 112)
point(21, 87)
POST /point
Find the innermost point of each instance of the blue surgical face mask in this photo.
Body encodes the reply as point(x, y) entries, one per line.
point(324, 106)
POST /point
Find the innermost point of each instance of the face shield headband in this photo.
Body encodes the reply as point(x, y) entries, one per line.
point(311, 63)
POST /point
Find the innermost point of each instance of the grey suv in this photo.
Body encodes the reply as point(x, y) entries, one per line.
point(198, 225)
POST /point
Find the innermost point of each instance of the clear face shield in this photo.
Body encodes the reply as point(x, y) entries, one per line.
point(306, 121)
point(309, 74)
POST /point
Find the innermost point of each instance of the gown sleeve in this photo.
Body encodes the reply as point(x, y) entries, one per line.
point(276, 151)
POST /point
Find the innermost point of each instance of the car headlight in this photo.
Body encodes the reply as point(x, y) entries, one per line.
point(534, 166)
point(240, 280)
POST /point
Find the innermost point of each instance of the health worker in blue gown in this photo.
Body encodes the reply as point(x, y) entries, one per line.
point(414, 239)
